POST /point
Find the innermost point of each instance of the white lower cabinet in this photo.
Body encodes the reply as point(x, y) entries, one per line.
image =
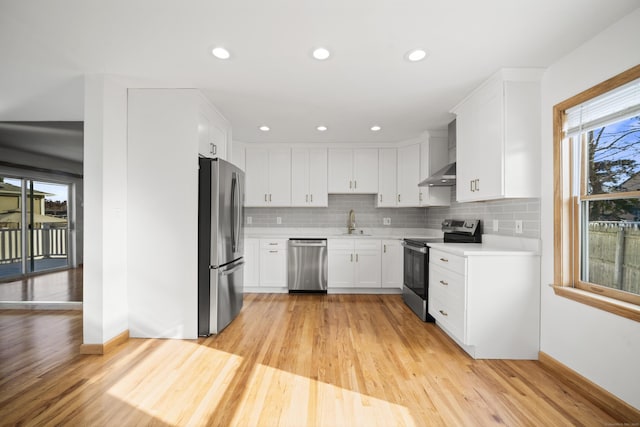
point(392, 264)
point(354, 263)
point(273, 262)
point(489, 304)
point(251, 262)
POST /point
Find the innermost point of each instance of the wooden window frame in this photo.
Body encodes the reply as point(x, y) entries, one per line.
point(566, 219)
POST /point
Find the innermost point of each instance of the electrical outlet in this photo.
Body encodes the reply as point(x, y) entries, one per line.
point(386, 221)
point(495, 225)
point(249, 220)
point(278, 220)
point(518, 226)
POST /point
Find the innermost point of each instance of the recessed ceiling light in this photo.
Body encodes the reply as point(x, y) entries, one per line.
point(322, 128)
point(321, 54)
point(264, 128)
point(220, 53)
point(375, 128)
point(416, 55)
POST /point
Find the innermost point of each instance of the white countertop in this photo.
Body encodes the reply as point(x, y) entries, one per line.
point(491, 244)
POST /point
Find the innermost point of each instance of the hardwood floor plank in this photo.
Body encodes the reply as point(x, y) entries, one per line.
point(287, 360)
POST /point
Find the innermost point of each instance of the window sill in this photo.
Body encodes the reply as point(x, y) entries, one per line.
point(617, 307)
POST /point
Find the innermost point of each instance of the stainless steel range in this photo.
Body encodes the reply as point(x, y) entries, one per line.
point(415, 291)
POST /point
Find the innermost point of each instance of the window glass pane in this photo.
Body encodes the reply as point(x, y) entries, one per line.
point(613, 157)
point(611, 248)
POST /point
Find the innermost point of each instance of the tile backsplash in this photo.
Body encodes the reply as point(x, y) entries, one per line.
point(506, 211)
point(336, 215)
point(367, 215)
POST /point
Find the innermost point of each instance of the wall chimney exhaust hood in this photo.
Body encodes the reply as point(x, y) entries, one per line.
point(445, 177)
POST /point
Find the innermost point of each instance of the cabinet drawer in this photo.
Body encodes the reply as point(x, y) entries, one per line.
point(341, 244)
point(446, 260)
point(445, 283)
point(273, 244)
point(450, 314)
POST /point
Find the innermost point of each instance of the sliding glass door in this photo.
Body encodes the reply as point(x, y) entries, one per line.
point(33, 216)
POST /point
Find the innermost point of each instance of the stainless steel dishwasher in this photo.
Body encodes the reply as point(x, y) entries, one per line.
point(307, 265)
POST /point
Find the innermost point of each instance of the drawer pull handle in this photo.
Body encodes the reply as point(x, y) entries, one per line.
point(444, 313)
point(273, 252)
point(444, 283)
point(273, 244)
point(444, 260)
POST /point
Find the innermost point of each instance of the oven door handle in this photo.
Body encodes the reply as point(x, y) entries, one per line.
point(421, 249)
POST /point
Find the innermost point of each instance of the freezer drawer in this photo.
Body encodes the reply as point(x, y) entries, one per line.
point(225, 298)
point(307, 265)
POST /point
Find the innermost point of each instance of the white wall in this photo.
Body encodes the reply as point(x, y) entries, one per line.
point(163, 213)
point(105, 308)
point(598, 345)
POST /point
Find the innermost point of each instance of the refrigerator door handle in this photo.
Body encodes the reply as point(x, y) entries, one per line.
point(234, 201)
point(231, 268)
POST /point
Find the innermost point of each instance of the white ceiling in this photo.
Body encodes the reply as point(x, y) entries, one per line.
point(47, 46)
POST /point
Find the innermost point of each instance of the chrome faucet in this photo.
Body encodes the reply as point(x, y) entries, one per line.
point(351, 224)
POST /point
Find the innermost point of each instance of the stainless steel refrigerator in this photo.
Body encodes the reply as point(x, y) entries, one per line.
point(220, 244)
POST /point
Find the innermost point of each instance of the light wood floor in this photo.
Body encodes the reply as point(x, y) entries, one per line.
point(59, 286)
point(286, 360)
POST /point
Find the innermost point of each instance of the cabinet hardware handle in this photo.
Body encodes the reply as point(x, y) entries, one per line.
point(478, 184)
point(420, 197)
point(380, 198)
point(311, 197)
point(398, 198)
point(350, 184)
point(471, 185)
point(212, 148)
point(265, 197)
point(444, 313)
point(273, 252)
point(384, 248)
point(351, 257)
point(444, 260)
point(355, 184)
point(356, 257)
point(444, 283)
point(273, 244)
point(269, 197)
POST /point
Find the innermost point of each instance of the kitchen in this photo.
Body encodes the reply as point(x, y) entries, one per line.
point(112, 166)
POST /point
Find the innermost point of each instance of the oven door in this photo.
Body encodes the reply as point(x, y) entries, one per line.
point(416, 269)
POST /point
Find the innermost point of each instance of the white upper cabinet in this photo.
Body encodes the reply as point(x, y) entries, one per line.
point(309, 177)
point(408, 175)
point(268, 177)
point(498, 138)
point(387, 177)
point(353, 171)
point(214, 132)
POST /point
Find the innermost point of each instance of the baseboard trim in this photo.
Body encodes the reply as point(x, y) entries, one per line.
point(614, 406)
point(106, 347)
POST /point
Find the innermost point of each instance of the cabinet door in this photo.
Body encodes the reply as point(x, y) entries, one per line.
point(365, 171)
point(251, 262)
point(491, 156)
point(318, 177)
point(408, 175)
point(205, 142)
point(238, 156)
point(340, 168)
point(392, 265)
point(368, 272)
point(257, 177)
point(219, 141)
point(299, 177)
point(273, 267)
point(387, 174)
point(279, 177)
point(340, 268)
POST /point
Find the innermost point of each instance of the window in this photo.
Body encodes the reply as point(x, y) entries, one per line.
point(597, 195)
